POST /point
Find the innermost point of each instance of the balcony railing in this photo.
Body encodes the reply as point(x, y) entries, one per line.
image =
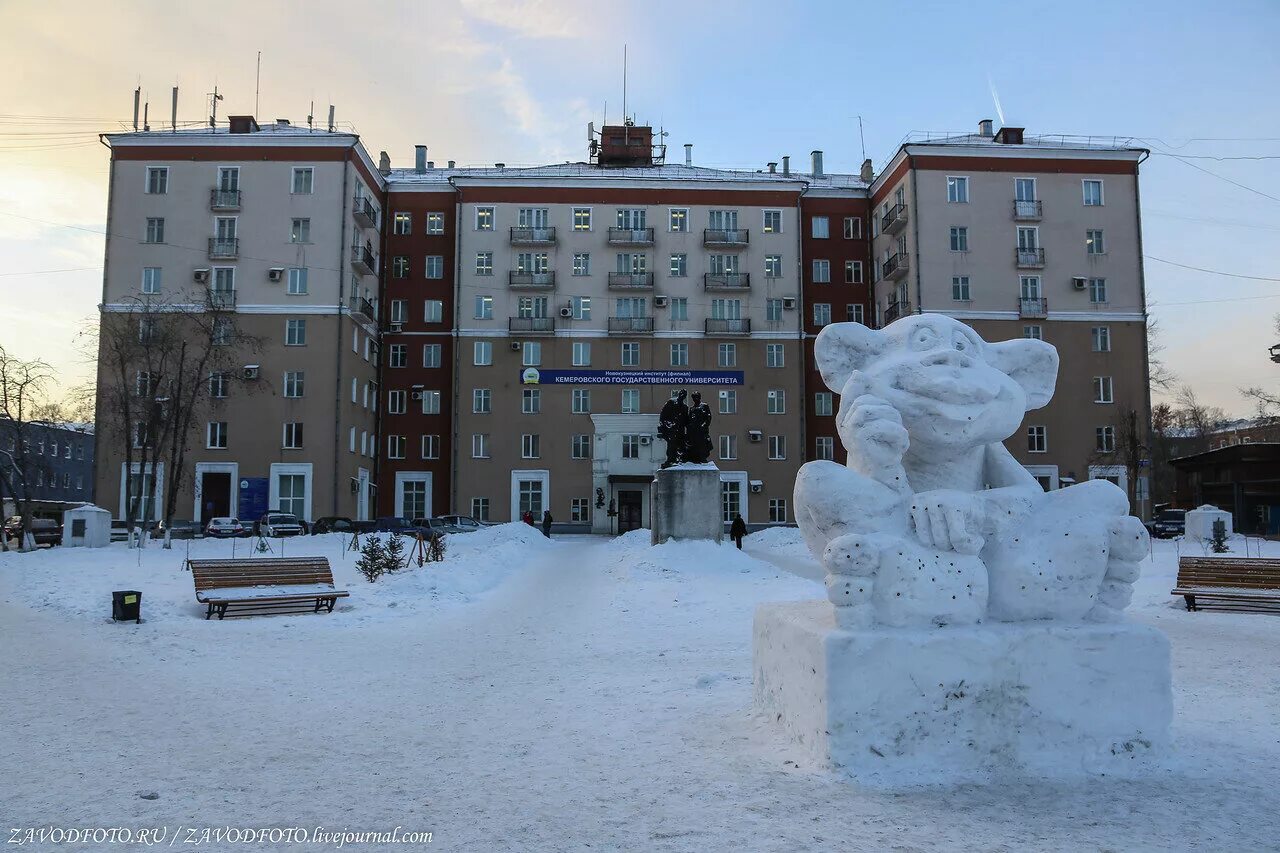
point(895, 266)
point(630, 325)
point(224, 199)
point(630, 236)
point(222, 300)
point(533, 236)
point(363, 260)
point(727, 327)
point(531, 280)
point(1036, 306)
point(727, 281)
point(631, 280)
point(1029, 258)
point(532, 325)
point(894, 310)
point(224, 248)
point(366, 214)
point(360, 305)
point(893, 219)
point(1026, 211)
point(725, 237)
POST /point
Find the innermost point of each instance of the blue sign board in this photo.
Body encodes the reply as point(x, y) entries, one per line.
point(254, 494)
point(534, 376)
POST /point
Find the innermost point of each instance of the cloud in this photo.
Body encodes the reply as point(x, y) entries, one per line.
point(537, 19)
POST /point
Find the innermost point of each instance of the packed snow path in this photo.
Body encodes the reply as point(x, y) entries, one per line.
point(592, 700)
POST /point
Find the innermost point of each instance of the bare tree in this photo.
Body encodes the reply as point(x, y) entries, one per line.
point(1124, 442)
point(1196, 419)
point(24, 403)
point(1158, 373)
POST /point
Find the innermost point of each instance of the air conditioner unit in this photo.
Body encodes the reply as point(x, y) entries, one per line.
point(660, 301)
point(1079, 282)
point(201, 275)
point(757, 486)
point(275, 274)
point(515, 346)
point(250, 372)
point(645, 440)
point(566, 312)
point(355, 485)
point(395, 327)
point(416, 394)
point(789, 302)
point(724, 395)
point(754, 435)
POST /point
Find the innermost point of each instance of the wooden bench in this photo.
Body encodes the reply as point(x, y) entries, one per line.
point(271, 585)
point(1233, 583)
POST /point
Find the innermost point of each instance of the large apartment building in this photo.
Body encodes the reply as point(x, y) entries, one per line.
point(494, 341)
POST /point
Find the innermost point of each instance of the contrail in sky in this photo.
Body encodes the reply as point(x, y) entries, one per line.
point(995, 96)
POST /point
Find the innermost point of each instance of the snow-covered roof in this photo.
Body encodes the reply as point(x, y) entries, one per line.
point(590, 171)
point(1048, 140)
point(223, 134)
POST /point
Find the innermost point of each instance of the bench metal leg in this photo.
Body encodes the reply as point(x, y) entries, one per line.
point(222, 611)
point(332, 602)
point(1191, 601)
point(209, 612)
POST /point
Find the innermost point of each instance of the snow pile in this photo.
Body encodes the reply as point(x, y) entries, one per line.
point(777, 540)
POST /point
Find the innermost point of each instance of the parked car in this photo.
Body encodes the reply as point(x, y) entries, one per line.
point(45, 531)
point(179, 528)
point(403, 526)
point(465, 523)
point(437, 525)
point(224, 527)
point(279, 524)
point(1169, 523)
point(332, 524)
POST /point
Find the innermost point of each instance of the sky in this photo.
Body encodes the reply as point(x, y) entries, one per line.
point(516, 81)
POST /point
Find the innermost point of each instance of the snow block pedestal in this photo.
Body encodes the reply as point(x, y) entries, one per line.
point(686, 503)
point(948, 705)
point(1199, 522)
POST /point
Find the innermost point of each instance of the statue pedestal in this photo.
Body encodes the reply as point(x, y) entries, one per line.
point(962, 704)
point(685, 503)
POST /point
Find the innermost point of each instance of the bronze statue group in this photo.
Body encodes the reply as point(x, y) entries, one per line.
point(686, 430)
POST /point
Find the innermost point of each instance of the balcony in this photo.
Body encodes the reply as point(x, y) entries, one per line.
point(895, 266)
point(363, 261)
point(631, 325)
point(222, 300)
point(631, 281)
point(520, 280)
point(894, 310)
point(1026, 211)
point(1029, 259)
point(1036, 307)
point(727, 281)
point(224, 199)
point(727, 327)
point(893, 219)
point(532, 325)
point(630, 236)
point(533, 236)
point(365, 213)
point(360, 305)
point(224, 248)
point(725, 237)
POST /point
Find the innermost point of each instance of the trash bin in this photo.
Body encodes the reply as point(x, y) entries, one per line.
point(126, 604)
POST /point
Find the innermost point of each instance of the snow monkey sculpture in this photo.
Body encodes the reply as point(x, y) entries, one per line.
point(933, 522)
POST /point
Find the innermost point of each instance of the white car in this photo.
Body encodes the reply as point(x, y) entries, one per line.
point(465, 523)
point(279, 524)
point(224, 527)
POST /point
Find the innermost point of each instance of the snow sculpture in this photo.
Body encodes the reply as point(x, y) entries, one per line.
point(933, 522)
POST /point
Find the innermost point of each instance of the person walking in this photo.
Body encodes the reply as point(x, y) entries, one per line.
point(546, 523)
point(737, 530)
point(527, 518)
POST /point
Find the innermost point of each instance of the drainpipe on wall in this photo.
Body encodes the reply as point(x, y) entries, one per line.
point(337, 380)
point(1144, 510)
point(915, 229)
point(803, 309)
point(457, 345)
point(97, 403)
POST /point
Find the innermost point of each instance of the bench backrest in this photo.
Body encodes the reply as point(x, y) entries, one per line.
point(219, 574)
point(1244, 572)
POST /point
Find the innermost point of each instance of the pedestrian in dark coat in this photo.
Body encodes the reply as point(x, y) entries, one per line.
point(737, 530)
point(546, 523)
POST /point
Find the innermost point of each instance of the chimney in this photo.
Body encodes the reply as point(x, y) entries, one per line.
point(786, 164)
point(331, 118)
point(384, 163)
point(499, 165)
point(173, 116)
point(419, 158)
point(773, 168)
point(817, 163)
point(688, 153)
point(452, 163)
point(431, 164)
point(137, 103)
point(868, 173)
point(986, 128)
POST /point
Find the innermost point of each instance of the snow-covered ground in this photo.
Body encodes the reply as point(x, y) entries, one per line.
point(575, 693)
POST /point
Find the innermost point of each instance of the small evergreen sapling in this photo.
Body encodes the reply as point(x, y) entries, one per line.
point(1219, 539)
point(373, 558)
point(395, 559)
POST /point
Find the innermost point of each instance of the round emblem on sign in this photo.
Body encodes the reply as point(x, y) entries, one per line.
point(244, 484)
point(530, 376)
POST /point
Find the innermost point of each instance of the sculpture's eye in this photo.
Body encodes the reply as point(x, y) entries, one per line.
point(961, 344)
point(924, 338)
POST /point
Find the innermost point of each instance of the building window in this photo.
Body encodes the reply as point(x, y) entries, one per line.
point(293, 435)
point(582, 263)
point(960, 288)
point(1102, 339)
point(959, 238)
point(1092, 193)
point(396, 402)
point(529, 446)
point(433, 311)
point(778, 510)
point(678, 221)
point(481, 400)
point(630, 401)
point(772, 222)
point(435, 266)
point(582, 219)
point(679, 355)
point(294, 383)
point(777, 402)
point(957, 190)
point(853, 312)
point(822, 271)
point(1106, 439)
point(430, 402)
point(824, 447)
point(151, 280)
point(679, 265)
point(680, 308)
point(480, 445)
point(581, 401)
point(435, 223)
point(155, 229)
point(727, 355)
point(1035, 333)
point(821, 313)
point(484, 218)
point(531, 401)
point(1037, 439)
point(303, 180)
point(480, 509)
point(431, 355)
point(531, 354)
point(295, 332)
point(853, 272)
point(216, 435)
point(484, 263)
point(399, 310)
point(730, 500)
point(402, 224)
point(820, 227)
point(1102, 390)
point(1097, 290)
point(431, 447)
point(484, 308)
point(158, 180)
point(297, 285)
point(397, 355)
point(774, 355)
point(300, 230)
point(728, 447)
point(852, 228)
point(773, 266)
point(777, 447)
point(400, 266)
point(396, 446)
point(581, 354)
point(580, 509)
point(580, 306)
point(728, 402)
point(482, 353)
point(218, 384)
point(631, 354)
point(1093, 242)
point(822, 403)
point(773, 310)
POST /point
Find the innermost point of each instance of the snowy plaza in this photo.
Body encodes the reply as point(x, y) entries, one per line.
point(571, 693)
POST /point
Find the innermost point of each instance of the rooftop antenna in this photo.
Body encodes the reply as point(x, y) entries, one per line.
point(214, 97)
point(311, 115)
point(146, 110)
point(173, 116)
point(862, 138)
point(257, 85)
point(137, 104)
point(625, 140)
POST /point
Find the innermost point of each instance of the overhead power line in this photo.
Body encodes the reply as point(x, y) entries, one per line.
point(1211, 272)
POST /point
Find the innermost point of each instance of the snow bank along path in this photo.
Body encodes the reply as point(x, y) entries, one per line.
point(555, 695)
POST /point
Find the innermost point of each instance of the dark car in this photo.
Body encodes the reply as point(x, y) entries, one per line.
point(178, 529)
point(45, 531)
point(403, 526)
point(1169, 523)
point(332, 524)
